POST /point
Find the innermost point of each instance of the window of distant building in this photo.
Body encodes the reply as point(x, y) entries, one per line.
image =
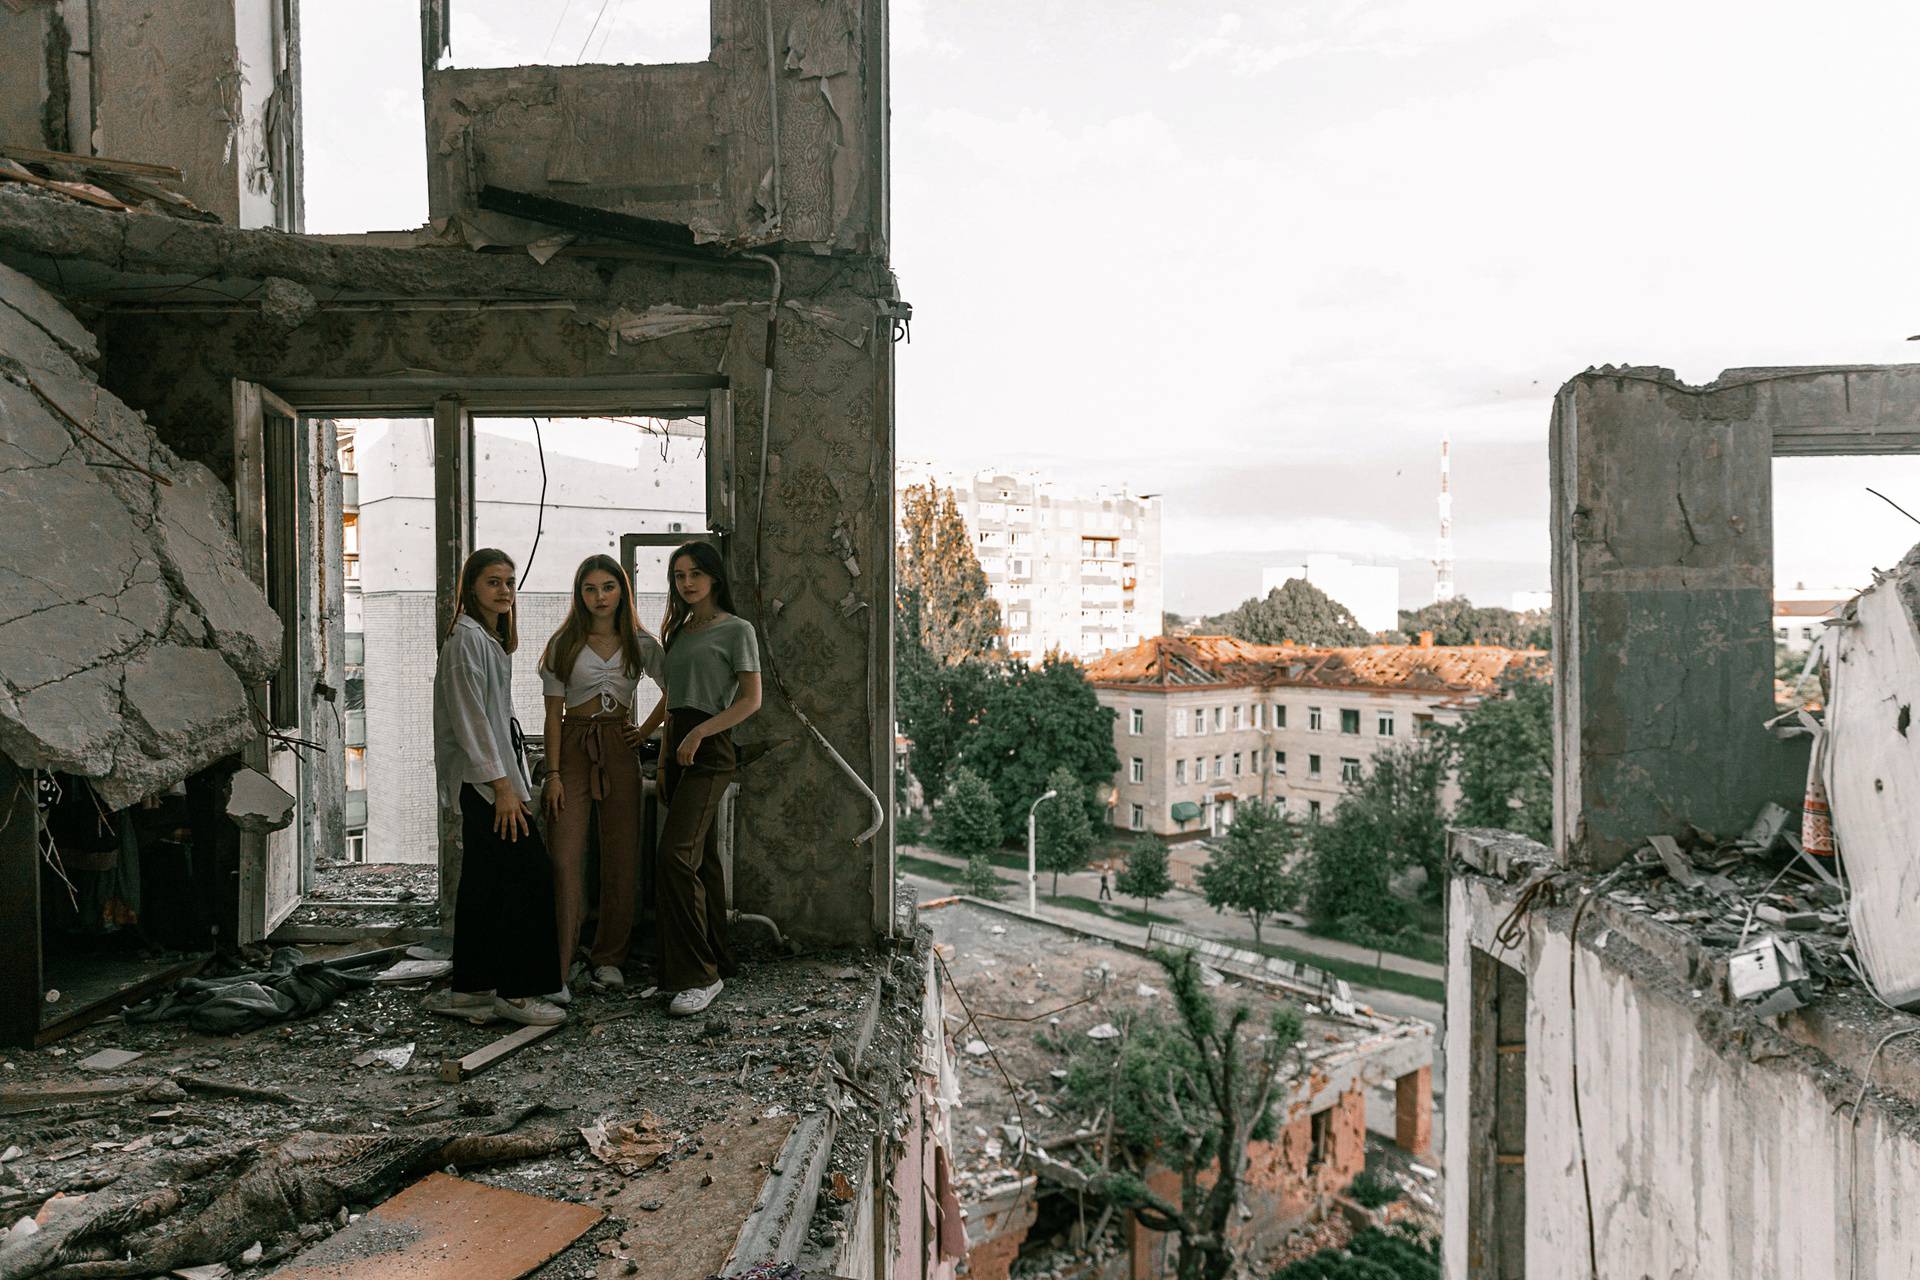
point(1236, 764)
point(1349, 720)
point(1313, 810)
point(1280, 763)
point(1136, 722)
point(1279, 715)
point(1258, 709)
point(1313, 766)
point(1199, 721)
point(1179, 725)
point(1219, 766)
point(1180, 770)
point(1137, 769)
point(1239, 716)
point(1349, 770)
point(1314, 721)
point(1384, 724)
point(1219, 719)
point(1137, 819)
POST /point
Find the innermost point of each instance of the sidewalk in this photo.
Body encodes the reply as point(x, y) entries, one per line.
point(1189, 911)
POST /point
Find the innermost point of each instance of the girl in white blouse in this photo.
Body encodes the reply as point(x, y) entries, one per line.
point(589, 673)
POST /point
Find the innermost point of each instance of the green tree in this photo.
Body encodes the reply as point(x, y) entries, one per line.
point(1062, 833)
point(1251, 870)
point(1392, 820)
point(1460, 622)
point(967, 822)
point(1400, 1253)
point(1036, 720)
point(1171, 624)
point(940, 581)
point(1296, 612)
point(936, 704)
point(1502, 753)
point(1189, 1096)
point(1145, 876)
point(981, 880)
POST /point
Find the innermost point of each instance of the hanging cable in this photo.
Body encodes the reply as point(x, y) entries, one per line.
point(540, 515)
point(759, 575)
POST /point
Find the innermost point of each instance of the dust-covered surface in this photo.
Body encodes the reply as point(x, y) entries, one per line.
point(382, 883)
point(719, 1090)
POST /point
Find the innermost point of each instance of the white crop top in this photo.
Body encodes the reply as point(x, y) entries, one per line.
point(604, 678)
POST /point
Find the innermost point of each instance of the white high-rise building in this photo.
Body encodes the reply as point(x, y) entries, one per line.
point(1371, 592)
point(1075, 573)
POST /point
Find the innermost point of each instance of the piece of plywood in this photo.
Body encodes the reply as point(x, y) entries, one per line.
point(443, 1228)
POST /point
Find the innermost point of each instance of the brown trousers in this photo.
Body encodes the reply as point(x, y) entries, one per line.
point(690, 884)
point(599, 772)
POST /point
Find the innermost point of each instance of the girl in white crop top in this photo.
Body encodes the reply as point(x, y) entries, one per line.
point(590, 674)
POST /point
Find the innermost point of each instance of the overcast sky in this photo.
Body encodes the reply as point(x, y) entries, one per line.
point(1261, 258)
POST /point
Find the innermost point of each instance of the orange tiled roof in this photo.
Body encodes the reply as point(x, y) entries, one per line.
point(1190, 661)
point(1807, 608)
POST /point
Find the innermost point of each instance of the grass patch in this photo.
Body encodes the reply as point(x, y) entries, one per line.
point(1111, 910)
point(927, 869)
point(1360, 975)
point(1414, 945)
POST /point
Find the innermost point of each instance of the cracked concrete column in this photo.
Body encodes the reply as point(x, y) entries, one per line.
point(1663, 588)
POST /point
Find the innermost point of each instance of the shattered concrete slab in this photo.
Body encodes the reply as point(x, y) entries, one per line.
point(128, 628)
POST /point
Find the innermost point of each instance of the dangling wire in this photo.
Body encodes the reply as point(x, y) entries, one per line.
point(540, 515)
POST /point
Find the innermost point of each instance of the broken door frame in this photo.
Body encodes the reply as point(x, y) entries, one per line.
point(452, 403)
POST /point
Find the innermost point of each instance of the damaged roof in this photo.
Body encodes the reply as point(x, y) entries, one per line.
point(128, 628)
point(1224, 661)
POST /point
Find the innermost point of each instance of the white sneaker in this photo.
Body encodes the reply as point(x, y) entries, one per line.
point(532, 1011)
point(564, 996)
point(694, 1000)
point(474, 1006)
point(609, 978)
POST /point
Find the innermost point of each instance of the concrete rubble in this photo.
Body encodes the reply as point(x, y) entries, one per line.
point(128, 628)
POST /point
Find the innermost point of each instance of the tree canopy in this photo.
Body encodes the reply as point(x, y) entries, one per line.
point(967, 821)
point(939, 579)
point(1145, 875)
point(1036, 720)
point(1391, 821)
point(1502, 753)
point(1250, 870)
point(1062, 831)
point(1296, 612)
point(1459, 621)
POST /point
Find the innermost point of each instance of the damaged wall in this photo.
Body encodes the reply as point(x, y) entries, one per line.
point(127, 626)
point(829, 462)
point(686, 143)
point(1716, 1149)
point(207, 88)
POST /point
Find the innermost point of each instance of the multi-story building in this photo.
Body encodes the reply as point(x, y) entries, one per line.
point(387, 548)
point(1075, 574)
point(1800, 614)
point(1371, 592)
point(1205, 722)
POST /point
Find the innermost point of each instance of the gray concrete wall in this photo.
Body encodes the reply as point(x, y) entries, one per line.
point(1716, 1150)
point(689, 143)
point(1663, 568)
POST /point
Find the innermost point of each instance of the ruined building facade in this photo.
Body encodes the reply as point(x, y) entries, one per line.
point(1664, 1058)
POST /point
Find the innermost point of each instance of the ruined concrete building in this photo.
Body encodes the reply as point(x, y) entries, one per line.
point(1672, 1034)
point(705, 242)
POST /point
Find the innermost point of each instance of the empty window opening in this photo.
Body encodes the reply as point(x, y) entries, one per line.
point(1497, 1112)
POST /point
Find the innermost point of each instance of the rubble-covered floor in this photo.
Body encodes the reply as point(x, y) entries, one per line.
point(723, 1090)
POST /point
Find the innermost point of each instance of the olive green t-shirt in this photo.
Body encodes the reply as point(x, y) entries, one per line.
point(704, 666)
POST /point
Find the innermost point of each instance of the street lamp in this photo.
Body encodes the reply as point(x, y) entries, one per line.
point(1033, 867)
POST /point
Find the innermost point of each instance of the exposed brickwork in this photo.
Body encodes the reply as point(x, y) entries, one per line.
point(1413, 1112)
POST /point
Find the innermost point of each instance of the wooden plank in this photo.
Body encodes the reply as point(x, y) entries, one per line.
point(444, 1228)
point(34, 155)
point(454, 1070)
point(26, 1097)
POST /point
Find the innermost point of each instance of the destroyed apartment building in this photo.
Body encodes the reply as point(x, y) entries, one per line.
point(1684, 1038)
point(704, 243)
point(1041, 1010)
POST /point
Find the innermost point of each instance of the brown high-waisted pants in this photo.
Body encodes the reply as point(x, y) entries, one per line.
point(690, 884)
point(598, 770)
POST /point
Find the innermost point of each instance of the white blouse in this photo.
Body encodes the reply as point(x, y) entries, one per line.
point(605, 678)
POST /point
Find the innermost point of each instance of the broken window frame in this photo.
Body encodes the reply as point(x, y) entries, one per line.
point(452, 403)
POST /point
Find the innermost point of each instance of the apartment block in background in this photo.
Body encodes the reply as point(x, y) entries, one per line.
point(1203, 723)
point(1075, 573)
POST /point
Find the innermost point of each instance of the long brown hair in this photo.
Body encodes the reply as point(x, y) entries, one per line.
point(507, 630)
point(563, 650)
point(704, 555)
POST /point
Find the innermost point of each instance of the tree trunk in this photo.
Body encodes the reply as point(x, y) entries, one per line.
point(1255, 917)
point(1055, 891)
